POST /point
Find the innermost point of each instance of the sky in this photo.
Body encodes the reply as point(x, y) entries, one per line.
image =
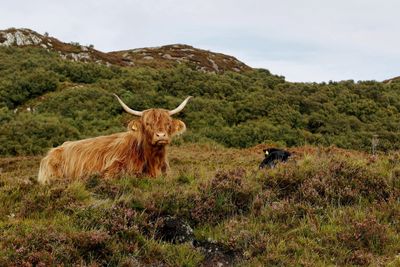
point(305, 41)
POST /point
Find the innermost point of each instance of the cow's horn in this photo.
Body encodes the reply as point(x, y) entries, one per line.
point(180, 107)
point(128, 109)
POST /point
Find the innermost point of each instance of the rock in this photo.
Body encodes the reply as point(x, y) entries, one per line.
point(203, 69)
point(79, 56)
point(148, 58)
point(174, 230)
point(177, 231)
point(20, 38)
point(216, 254)
point(137, 50)
point(168, 56)
point(214, 65)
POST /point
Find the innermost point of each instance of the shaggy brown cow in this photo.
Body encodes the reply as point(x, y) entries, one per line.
point(140, 150)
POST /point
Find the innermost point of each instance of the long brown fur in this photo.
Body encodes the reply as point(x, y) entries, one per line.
point(137, 151)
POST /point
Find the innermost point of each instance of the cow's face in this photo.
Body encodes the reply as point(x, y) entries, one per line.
point(158, 127)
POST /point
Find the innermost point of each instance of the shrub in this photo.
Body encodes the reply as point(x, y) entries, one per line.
point(118, 220)
point(30, 84)
point(364, 238)
point(329, 180)
point(30, 134)
point(40, 245)
point(84, 73)
point(225, 195)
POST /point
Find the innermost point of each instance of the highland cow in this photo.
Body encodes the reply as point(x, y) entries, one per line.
point(142, 149)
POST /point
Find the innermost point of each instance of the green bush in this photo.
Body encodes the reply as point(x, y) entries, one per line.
point(30, 134)
point(26, 85)
point(226, 195)
point(330, 180)
point(234, 109)
point(84, 73)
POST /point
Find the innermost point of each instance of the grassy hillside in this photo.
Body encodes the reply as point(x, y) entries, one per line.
point(45, 100)
point(324, 207)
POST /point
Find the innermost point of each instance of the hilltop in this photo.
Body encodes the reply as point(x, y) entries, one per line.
point(71, 51)
point(163, 56)
point(168, 55)
point(395, 79)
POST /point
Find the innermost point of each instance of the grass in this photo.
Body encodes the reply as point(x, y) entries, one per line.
point(325, 207)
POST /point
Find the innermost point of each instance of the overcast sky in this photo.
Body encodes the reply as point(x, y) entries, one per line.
point(308, 40)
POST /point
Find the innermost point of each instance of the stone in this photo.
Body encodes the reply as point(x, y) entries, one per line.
point(20, 38)
point(174, 230)
point(168, 56)
point(214, 65)
point(215, 254)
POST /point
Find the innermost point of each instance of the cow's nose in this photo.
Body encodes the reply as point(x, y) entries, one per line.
point(161, 134)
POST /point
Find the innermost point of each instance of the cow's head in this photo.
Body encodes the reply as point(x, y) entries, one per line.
point(156, 125)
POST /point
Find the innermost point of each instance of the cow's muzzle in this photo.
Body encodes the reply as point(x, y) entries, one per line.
point(160, 138)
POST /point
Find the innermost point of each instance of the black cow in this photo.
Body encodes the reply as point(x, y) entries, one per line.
point(272, 156)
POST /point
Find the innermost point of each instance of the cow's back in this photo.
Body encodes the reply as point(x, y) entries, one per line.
point(76, 159)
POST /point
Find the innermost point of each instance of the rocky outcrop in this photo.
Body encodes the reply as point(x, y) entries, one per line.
point(177, 231)
point(21, 37)
point(68, 51)
point(168, 55)
point(174, 230)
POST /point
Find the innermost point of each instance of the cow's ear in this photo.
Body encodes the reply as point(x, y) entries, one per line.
point(134, 125)
point(178, 127)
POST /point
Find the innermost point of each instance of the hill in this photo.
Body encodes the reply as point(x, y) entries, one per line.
point(163, 56)
point(170, 55)
point(46, 99)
